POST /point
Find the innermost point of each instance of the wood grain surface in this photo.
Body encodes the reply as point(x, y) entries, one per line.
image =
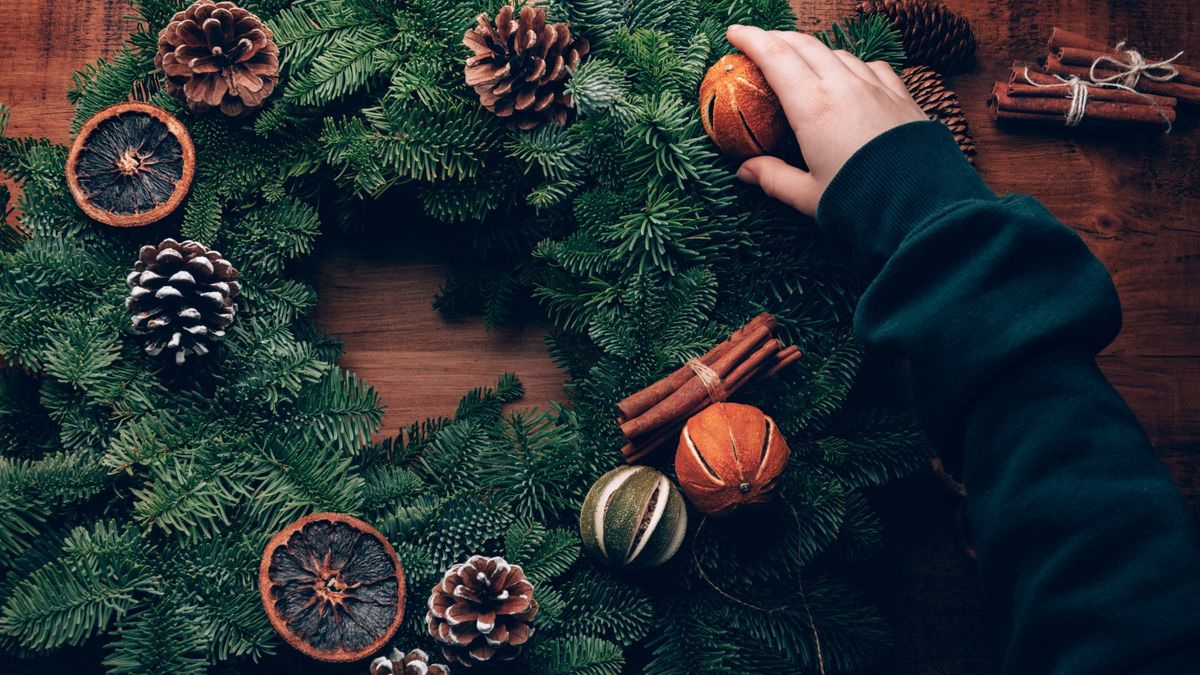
point(1134, 199)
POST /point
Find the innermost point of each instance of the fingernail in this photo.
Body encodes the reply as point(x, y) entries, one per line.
point(745, 175)
point(734, 26)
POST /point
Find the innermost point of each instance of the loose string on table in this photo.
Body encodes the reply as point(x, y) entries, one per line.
point(1077, 91)
point(1133, 68)
point(712, 382)
point(766, 610)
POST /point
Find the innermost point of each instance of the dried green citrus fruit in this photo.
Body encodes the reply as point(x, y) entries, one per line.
point(633, 517)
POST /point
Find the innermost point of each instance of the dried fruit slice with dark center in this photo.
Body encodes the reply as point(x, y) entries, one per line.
point(332, 586)
point(131, 165)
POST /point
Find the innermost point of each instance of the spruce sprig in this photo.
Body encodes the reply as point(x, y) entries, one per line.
point(870, 38)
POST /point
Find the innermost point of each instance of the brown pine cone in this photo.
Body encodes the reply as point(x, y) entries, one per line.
point(521, 65)
point(216, 54)
point(482, 610)
point(932, 34)
point(929, 90)
point(415, 662)
point(182, 297)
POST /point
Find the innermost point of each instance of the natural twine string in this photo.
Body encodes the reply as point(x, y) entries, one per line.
point(1077, 91)
point(766, 610)
point(1133, 68)
point(710, 379)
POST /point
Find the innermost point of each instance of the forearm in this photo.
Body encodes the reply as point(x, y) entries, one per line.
point(1082, 539)
point(1000, 311)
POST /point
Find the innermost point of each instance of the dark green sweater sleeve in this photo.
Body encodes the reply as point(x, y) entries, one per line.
point(1085, 547)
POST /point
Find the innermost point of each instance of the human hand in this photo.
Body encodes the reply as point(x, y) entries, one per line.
point(834, 102)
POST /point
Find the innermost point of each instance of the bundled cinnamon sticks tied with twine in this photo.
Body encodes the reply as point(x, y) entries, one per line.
point(1084, 81)
point(654, 416)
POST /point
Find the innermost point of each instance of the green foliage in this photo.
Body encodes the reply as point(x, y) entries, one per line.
point(135, 497)
point(108, 82)
point(579, 656)
point(870, 38)
point(98, 578)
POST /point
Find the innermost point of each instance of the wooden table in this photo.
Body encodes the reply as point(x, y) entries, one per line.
point(1135, 200)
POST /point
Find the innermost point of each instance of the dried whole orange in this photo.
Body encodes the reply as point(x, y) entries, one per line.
point(332, 587)
point(131, 164)
point(730, 454)
point(738, 109)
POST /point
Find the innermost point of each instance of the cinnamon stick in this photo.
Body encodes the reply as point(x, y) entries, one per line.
point(693, 391)
point(1052, 86)
point(1003, 104)
point(1061, 37)
point(758, 361)
point(784, 359)
point(634, 451)
point(1185, 93)
point(1077, 50)
point(647, 398)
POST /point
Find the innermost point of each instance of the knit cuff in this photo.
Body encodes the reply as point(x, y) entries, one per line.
point(897, 183)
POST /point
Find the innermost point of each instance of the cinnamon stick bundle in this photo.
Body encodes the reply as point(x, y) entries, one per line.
point(1185, 93)
point(1077, 50)
point(1073, 54)
point(653, 416)
point(1019, 85)
point(1054, 107)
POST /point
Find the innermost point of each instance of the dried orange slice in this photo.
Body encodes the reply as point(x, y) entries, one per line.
point(332, 586)
point(131, 164)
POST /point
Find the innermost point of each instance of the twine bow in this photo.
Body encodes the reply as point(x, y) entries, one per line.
point(1077, 91)
point(1133, 68)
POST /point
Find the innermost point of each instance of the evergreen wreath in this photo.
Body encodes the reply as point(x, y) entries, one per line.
point(136, 497)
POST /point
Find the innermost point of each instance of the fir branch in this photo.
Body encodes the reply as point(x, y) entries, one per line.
point(342, 411)
point(63, 605)
point(469, 522)
point(486, 402)
point(341, 67)
point(185, 497)
point(202, 215)
point(308, 29)
point(603, 606)
point(522, 539)
point(30, 488)
point(165, 638)
point(597, 86)
point(531, 460)
point(870, 38)
point(576, 656)
point(872, 448)
point(553, 556)
point(108, 82)
point(295, 475)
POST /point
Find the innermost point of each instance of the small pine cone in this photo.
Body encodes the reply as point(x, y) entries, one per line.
point(482, 610)
point(929, 90)
point(521, 65)
point(932, 34)
point(182, 297)
point(415, 662)
point(216, 54)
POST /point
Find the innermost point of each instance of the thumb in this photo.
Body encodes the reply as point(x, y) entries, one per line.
point(795, 187)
